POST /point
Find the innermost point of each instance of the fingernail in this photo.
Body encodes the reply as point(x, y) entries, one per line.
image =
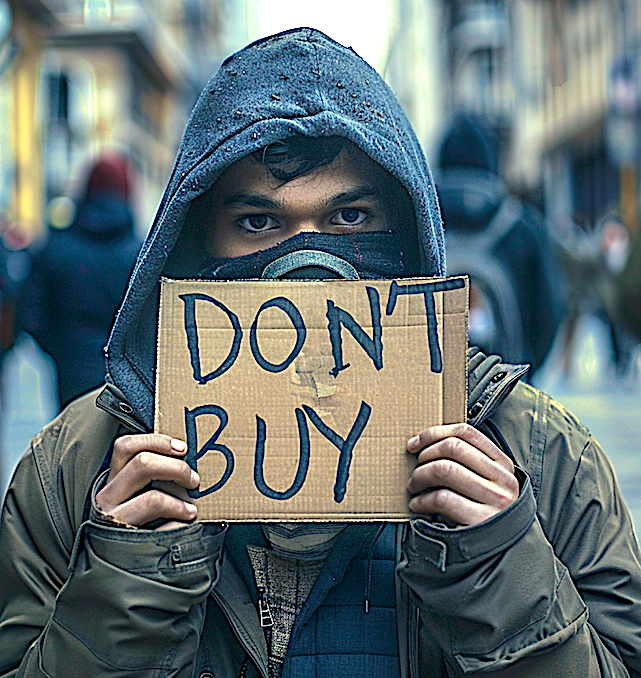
point(195, 478)
point(178, 445)
point(413, 443)
point(192, 509)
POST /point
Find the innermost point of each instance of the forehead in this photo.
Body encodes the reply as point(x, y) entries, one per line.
point(350, 167)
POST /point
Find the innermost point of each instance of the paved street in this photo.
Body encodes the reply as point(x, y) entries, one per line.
point(609, 406)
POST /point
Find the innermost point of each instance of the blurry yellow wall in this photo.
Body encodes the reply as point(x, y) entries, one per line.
point(26, 209)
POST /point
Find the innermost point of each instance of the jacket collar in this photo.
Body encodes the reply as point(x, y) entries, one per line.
point(112, 400)
point(489, 382)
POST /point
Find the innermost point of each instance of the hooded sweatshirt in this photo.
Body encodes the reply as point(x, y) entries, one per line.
point(296, 82)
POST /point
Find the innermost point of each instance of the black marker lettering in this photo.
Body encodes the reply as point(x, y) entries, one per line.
point(372, 346)
point(194, 454)
point(303, 460)
point(427, 290)
point(191, 330)
point(345, 446)
point(297, 321)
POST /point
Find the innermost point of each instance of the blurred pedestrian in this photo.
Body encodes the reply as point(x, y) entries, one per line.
point(599, 282)
point(78, 279)
point(501, 243)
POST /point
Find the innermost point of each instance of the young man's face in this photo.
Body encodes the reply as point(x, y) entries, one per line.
point(253, 211)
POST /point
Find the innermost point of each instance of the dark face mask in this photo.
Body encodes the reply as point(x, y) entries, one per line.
point(318, 256)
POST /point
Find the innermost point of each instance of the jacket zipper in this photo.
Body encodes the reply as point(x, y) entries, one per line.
point(265, 616)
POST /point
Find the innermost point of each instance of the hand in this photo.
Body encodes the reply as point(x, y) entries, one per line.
point(138, 460)
point(461, 475)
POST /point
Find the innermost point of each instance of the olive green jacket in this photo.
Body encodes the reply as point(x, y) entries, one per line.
point(550, 586)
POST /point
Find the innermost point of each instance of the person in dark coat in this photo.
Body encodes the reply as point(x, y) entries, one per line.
point(501, 243)
point(79, 278)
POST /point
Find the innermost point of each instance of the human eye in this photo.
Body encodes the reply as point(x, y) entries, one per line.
point(257, 223)
point(349, 216)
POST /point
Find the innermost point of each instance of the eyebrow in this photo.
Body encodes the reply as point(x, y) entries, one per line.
point(251, 200)
point(354, 195)
point(242, 199)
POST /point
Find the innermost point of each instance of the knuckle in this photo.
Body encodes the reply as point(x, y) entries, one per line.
point(504, 501)
point(123, 445)
point(187, 510)
point(417, 480)
point(513, 488)
point(456, 447)
point(155, 500)
point(504, 497)
point(464, 430)
point(144, 461)
point(443, 470)
point(441, 499)
point(186, 470)
point(151, 441)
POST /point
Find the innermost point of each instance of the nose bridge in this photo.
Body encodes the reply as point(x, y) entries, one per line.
point(306, 223)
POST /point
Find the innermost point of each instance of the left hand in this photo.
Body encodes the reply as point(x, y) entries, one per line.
point(461, 475)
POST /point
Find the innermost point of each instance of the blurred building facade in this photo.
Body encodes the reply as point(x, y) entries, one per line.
point(79, 76)
point(559, 81)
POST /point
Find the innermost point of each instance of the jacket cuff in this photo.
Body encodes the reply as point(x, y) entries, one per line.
point(491, 593)
point(447, 547)
point(148, 589)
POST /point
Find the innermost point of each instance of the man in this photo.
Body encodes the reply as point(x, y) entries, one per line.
point(299, 162)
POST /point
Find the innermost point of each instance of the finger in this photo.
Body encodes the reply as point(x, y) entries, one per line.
point(467, 455)
point(170, 525)
point(461, 510)
point(465, 432)
point(152, 505)
point(444, 473)
point(127, 447)
point(144, 468)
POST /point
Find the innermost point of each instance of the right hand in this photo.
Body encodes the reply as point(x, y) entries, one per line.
point(138, 460)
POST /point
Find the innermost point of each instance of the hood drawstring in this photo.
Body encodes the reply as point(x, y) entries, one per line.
point(368, 582)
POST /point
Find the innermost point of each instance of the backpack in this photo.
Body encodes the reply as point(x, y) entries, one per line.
point(512, 276)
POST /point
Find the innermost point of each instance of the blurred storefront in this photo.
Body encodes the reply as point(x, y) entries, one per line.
point(561, 125)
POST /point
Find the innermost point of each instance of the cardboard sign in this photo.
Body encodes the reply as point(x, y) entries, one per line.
point(297, 398)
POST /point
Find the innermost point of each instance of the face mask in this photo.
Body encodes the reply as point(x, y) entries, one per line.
point(317, 256)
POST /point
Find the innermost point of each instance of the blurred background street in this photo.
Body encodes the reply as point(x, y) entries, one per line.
point(529, 112)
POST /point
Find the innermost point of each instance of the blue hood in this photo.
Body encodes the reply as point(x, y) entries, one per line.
point(296, 82)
